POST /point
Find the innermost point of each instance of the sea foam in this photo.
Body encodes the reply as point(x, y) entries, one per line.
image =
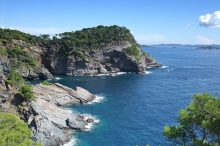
point(98, 98)
point(89, 126)
point(58, 78)
point(148, 72)
point(72, 142)
point(164, 66)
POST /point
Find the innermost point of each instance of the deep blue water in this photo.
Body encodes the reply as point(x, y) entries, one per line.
point(137, 107)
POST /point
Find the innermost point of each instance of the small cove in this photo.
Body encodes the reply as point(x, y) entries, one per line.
point(135, 108)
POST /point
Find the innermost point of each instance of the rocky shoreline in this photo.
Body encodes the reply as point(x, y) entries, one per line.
point(36, 58)
point(51, 124)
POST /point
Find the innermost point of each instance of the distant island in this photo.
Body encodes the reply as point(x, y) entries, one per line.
point(147, 46)
point(209, 48)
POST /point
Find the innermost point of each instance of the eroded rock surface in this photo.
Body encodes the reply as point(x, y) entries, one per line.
point(50, 123)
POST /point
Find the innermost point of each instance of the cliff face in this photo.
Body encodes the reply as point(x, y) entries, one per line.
point(5, 95)
point(107, 60)
point(90, 51)
point(25, 59)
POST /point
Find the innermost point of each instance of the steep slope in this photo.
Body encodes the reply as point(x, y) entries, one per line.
point(98, 50)
point(90, 51)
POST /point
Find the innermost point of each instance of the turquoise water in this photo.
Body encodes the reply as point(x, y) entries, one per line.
point(135, 108)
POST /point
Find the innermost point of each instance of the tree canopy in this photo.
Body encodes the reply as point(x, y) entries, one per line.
point(199, 123)
point(14, 132)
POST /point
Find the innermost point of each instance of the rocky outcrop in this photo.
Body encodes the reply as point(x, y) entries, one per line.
point(51, 124)
point(38, 73)
point(5, 95)
point(110, 59)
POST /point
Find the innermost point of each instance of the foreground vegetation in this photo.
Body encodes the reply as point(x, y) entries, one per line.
point(14, 132)
point(199, 123)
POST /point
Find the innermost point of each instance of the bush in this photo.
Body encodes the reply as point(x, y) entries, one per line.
point(46, 83)
point(3, 51)
point(15, 79)
point(27, 93)
point(21, 56)
point(14, 132)
point(133, 51)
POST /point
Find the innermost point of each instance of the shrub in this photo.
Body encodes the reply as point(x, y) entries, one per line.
point(132, 51)
point(27, 93)
point(15, 79)
point(3, 51)
point(46, 83)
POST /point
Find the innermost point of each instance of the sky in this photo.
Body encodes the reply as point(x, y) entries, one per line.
point(150, 21)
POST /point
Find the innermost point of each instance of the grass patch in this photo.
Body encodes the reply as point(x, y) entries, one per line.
point(46, 83)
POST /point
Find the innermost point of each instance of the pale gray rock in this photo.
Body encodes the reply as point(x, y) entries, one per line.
point(51, 124)
point(85, 95)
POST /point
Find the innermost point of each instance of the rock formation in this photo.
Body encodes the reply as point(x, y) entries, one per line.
point(5, 95)
point(110, 59)
point(50, 123)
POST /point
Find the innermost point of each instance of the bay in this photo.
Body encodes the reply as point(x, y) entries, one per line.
point(135, 108)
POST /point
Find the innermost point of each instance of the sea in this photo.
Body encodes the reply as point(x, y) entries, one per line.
point(132, 110)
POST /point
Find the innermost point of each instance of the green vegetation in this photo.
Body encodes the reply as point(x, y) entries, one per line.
point(15, 79)
point(27, 93)
point(20, 57)
point(14, 132)
point(199, 123)
point(46, 83)
point(7, 35)
point(93, 38)
point(73, 42)
point(3, 51)
point(80, 54)
point(132, 51)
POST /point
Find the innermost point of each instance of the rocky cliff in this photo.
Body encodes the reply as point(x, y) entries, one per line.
point(5, 94)
point(50, 123)
point(107, 60)
point(91, 51)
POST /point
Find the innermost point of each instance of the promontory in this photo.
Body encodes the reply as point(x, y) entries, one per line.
point(90, 51)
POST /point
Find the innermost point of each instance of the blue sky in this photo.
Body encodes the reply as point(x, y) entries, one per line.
point(151, 21)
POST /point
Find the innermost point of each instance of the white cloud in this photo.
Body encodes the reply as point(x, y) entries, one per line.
point(210, 20)
point(38, 31)
point(202, 40)
point(2, 27)
point(11, 28)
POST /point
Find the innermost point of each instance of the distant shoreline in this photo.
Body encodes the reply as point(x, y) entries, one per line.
point(209, 48)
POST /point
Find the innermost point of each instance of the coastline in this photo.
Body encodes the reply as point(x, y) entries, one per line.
point(50, 122)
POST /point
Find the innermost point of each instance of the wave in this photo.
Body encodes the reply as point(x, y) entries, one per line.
point(148, 72)
point(102, 75)
point(164, 67)
point(98, 99)
point(121, 73)
point(72, 142)
point(89, 126)
point(58, 78)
